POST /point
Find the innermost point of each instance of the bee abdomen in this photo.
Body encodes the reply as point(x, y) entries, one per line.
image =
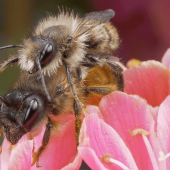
point(104, 39)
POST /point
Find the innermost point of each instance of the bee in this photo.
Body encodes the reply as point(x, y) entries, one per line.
point(25, 108)
point(71, 42)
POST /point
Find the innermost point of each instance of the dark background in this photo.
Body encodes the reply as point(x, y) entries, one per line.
point(143, 26)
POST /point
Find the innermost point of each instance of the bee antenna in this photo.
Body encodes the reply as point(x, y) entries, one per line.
point(33, 93)
point(10, 46)
point(42, 76)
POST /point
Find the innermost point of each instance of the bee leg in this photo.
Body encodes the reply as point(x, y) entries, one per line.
point(10, 46)
point(42, 77)
point(100, 90)
point(79, 75)
point(94, 61)
point(116, 69)
point(77, 110)
point(71, 85)
point(8, 62)
point(45, 141)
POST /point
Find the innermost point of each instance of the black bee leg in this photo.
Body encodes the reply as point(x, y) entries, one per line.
point(71, 85)
point(94, 61)
point(10, 46)
point(100, 90)
point(79, 75)
point(117, 70)
point(42, 77)
point(77, 110)
point(45, 141)
point(61, 90)
point(9, 62)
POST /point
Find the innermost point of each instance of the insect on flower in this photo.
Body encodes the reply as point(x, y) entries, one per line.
point(71, 55)
point(26, 105)
point(71, 42)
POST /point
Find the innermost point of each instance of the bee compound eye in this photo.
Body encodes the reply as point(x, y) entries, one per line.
point(49, 48)
point(34, 104)
point(46, 55)
point(31, 114)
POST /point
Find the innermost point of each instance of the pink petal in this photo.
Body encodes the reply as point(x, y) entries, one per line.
point(104, 141)
point(163, 128)
point(75, 165)
point(21, 156)
point(91, 158)
point(84, 148)
point(0, 162)
point(150, 80)
point(154, 112)
point(5, 155)
point(166, 58)
point(94, 109)
point(61, 149)
point(125, 114)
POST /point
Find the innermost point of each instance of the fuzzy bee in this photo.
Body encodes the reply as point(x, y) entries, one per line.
point(25, 108)
point(70, 42)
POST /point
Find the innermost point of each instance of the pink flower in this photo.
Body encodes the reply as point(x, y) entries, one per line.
point(125, 132)
point(60, 153)
point(150, 80)
point(121, 133)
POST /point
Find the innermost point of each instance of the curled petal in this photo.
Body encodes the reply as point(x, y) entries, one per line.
point(150, 80)
point(75, 165)
point(91, 158)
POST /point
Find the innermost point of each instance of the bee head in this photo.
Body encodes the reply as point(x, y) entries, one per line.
point(44, 46)
point(53, 44)
point(20, 111)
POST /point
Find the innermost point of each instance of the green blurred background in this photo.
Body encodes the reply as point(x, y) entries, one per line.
point(17, 18)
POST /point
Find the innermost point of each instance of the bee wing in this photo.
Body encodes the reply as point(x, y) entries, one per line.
point(12, 61)
point(103, 16)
